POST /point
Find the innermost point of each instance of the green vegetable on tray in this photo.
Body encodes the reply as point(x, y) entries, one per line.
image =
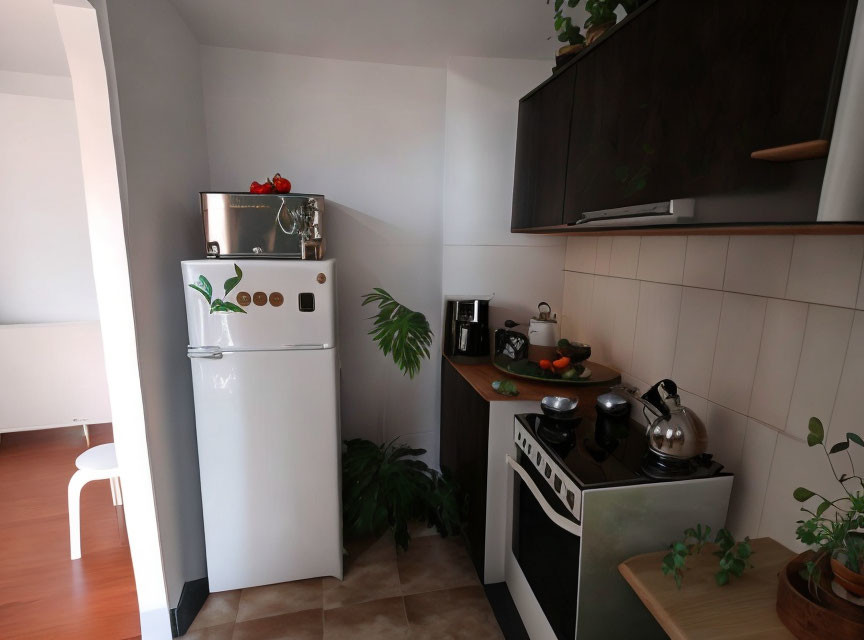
point(534, 370)
point(505, 387)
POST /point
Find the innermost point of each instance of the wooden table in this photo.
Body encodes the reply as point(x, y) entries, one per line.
point(744, 608)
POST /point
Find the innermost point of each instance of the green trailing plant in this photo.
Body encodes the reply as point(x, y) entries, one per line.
point(203, 286)
point(734, 556)
point(600, 12)
point(564, 27)
point(400, 331)
point(386, 487)
point(832, 524)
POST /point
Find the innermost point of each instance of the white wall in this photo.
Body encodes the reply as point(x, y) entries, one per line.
point(164, 161)
point(369, 137)
point(92, 72)
point(44, 248)
point(759, 332)
point(480, 254)
point(401, 153)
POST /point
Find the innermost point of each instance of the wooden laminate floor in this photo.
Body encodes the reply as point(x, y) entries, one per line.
point(44, 594)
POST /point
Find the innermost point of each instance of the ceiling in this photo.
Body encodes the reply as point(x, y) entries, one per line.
point(413, 32)
point(30, 39)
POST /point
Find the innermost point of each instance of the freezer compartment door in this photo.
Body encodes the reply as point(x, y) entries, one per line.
point(270, 304)
point(269, 457)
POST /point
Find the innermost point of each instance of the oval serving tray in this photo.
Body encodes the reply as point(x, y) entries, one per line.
point(598, 373)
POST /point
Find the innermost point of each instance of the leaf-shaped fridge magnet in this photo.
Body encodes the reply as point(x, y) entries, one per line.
point(232, 282)
point(203, 287)
point(230, 306)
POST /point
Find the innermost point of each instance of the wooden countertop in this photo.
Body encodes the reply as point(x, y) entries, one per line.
point(481, 377)
point(743, 609)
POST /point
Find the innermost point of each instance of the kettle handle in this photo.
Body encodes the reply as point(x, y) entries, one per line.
point(653, 397)
point(544, 315)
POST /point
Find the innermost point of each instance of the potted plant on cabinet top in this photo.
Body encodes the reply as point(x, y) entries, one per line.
point(567, 32)
point(601, 16)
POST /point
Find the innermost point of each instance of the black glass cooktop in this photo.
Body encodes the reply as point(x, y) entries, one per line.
point(615, 455)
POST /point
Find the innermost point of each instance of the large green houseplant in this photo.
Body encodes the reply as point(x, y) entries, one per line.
point(386, 486)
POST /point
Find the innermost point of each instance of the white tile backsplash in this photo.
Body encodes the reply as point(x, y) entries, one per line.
point(758, 265)
point(661, 259)
point(604, 255)
point(578, 293)
point(581, 254)
point(726, 431)
point(820, 366)
point(624, 296)
point(751, 481)
point(859, 303)
point(846, 416)
point(697, 335)
point(737, 351)
point(779, 353)
point(795, 465)
point(705, 264)
point(826, 269)
point(656, 330)
point(774, 361)
point(624, 259)
point(601, 317)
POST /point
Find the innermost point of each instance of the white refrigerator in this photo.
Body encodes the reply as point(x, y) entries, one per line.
point(262, 346)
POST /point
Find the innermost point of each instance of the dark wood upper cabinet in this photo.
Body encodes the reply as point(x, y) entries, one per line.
point(541, 154)
point(673, 102)
point(617, 136)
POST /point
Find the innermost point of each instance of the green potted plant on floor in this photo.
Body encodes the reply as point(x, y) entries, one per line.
point(385, 486)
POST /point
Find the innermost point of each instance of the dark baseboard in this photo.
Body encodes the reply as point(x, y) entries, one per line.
point(505, 611)
point(192, 598)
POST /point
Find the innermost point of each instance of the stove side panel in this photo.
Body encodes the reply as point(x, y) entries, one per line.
point(621, 522)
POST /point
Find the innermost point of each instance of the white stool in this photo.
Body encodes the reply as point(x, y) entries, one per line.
point(98, 463)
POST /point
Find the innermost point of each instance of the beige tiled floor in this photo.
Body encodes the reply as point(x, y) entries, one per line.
point(429, 592)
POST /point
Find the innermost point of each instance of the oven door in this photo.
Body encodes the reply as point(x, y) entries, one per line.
point(545, 542)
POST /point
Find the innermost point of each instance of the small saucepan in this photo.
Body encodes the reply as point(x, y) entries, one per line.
point(559, 407)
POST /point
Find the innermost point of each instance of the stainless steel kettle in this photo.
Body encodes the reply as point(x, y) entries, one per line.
point(676, 431)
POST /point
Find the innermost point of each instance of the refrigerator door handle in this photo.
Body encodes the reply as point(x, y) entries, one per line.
point(213, 353)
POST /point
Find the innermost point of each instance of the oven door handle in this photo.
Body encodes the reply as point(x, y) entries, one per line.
point(568, 525)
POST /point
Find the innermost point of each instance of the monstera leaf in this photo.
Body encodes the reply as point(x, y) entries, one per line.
point(400, 331)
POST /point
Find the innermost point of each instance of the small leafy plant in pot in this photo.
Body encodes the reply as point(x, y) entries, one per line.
point(385, 486)
point(831, 528)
